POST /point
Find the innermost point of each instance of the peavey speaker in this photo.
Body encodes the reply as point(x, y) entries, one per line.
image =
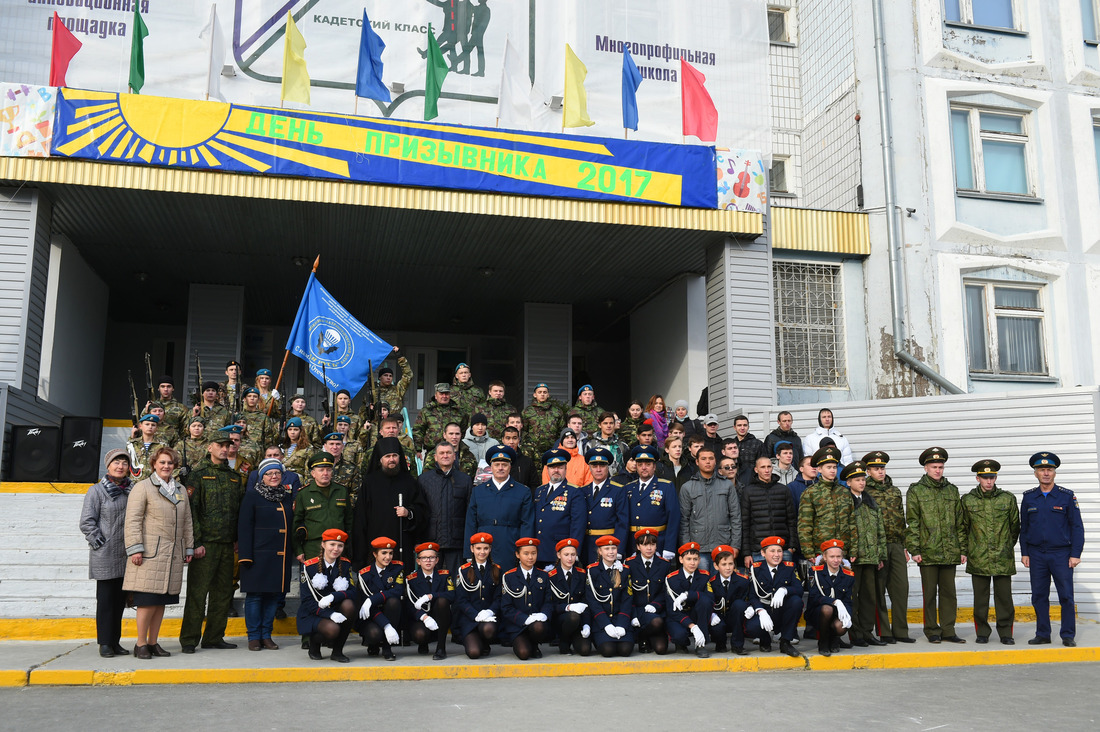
point(34, 453)
point(80, 438)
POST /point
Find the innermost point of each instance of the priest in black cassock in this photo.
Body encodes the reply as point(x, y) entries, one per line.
point(390, 504)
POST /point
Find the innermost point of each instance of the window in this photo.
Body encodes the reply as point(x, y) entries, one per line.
point(777, 26)
point(809, 325)
point(777, 176)
point(1089, 15)
point(1004, 328)
point(987, 13)
point(1096, 142)
point(991, 151)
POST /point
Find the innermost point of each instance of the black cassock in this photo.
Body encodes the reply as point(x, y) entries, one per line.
point(375, 516)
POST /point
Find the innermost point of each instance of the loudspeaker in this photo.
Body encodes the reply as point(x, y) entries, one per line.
point(80, 438)
point(34, 453)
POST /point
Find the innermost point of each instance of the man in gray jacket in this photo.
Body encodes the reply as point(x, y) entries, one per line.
point(710, 509)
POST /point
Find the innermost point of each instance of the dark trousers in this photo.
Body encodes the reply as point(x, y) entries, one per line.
point(893, 580)
point(1047, 565)
point(698, 613)
point(864, 600)
point(211, 576)
point(937, 581)
point(1002, 602)
point(784, 619)
point(732, 624)
point(110, 602)
point(450, 560)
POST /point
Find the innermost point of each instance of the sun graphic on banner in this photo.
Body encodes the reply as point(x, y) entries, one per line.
point(174, 132)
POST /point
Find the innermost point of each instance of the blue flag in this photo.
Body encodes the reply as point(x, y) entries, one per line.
point(368, 80)
point(324, 333)
point(631, 80)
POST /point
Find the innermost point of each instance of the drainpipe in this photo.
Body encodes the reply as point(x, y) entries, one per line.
point(893, 226)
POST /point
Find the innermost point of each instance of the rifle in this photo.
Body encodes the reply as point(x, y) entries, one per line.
point(370, 391)
point(153, 396)
point(134, 410)
point(196, 396)
point(324, 398)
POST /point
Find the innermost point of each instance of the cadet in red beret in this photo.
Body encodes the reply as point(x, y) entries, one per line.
point(326, 610)
point(731, 591)
point(776, 598)
point(477, 598)
point(526, 602)
point(382, 583)
point(572, 619)
point(431, 592)
point(610, 601)
point(691, 604)
point(829, 606)
point(646, 572)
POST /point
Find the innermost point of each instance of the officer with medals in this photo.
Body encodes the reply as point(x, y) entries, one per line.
point(431, 593)
point(690, 604)
point(608, 506)
point(610, 601)
point(561, 510)
point(645, 574)
point(829, 601)
point(1052, 537)
point(991, 520)
point(776, 598)
point(382, 584)
point(477, 597)
point(653, 502)
point(730, 589)
point(571, 619)
point(526, 602)
point(328, 597)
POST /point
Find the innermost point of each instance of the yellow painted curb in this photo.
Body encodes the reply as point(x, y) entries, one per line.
point(60, 677)
point(61, 488)
point(13, 678)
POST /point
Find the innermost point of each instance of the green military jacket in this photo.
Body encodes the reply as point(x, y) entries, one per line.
point(628, 430)
point(192, 453)
point(868, 532)
point(428, 429)
point(992, 525)
point(394, 394)
point(934, 514)
point(541, 425)
point(141, 464)
point(888, 497)
point(466, 396)
point(591, 415)
point(316, 510)
point(496, 412)
point(296, 461)
point(216, 417)
point(216, 492)
point(262, 430)
point(824, 512)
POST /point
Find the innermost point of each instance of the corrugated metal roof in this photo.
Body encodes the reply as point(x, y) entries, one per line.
point(833, 232)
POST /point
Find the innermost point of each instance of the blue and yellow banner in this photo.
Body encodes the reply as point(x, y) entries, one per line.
point(128, 128)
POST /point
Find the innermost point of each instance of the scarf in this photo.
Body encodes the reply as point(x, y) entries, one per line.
point(274, 494)
point(121, 488)
point(170, 490)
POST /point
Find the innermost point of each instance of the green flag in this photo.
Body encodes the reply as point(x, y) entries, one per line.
point(137, 52)
point(433, 79)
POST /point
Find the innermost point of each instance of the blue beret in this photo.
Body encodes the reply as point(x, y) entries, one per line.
point(250, 390)
point(555, 457)
point(232, 429)
point(334, 436)
point(149, 418)
point(542, 385)
point(501, 452)
point(598, 456)
point(294, 422)
point(263, 372)
point(644, 452)
point(343, 418)
point(1044, 460)
point(586, 386)
point(461, 366)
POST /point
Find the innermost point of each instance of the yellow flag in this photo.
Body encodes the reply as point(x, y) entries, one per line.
point(295, 76)
point(576, 101)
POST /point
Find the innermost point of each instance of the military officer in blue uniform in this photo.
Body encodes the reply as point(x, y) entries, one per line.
point(526, 602)
point(610, 601)
point(1052, 537)
point(646, 573)
point(382, 583)
point(477, 598)
point(829, 605)
point(501, 506)
point(328, 597)
point(653, 502)
point(561, 511)
point(690, 604)
point(608, 506)
point(572, 621)
point(776, 598)
point(730, 589)
point(431, 592)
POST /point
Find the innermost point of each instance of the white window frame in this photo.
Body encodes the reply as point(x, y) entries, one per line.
point(1095, 22)
point(966, 16)
point(838, 329)
point(977, 157)
point(788, 38)
point(991, 312)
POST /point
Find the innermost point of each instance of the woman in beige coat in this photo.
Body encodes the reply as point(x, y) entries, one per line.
point(159, 541)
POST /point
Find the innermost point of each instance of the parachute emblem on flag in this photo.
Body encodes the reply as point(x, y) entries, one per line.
point(328, 341)
point(331, 343)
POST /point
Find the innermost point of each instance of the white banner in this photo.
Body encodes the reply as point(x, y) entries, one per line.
point(727, 40)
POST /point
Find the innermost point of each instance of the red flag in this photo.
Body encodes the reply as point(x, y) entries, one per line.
point(699, 113)
point(64, 47)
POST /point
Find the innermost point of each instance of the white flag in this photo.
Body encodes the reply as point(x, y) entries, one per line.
point(212, 33)
point(514, 105)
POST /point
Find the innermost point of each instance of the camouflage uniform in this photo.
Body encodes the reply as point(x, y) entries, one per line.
point(894, 578)
point(316, 510)
point(394, 394)
point(347, 474)
point(216, 417)
point(496, 413)
point(296, 461)
point(192, 453)
point(541, 425)
point(231, 397)
point(262, 430)
point(354, 453)
point(265, 401)
point(628, 430)
point(936, 532)
point(868, 548)
point(431, 421)
point(467, 396)
point(176, 417)
point(141, 466)
point(591, 415)
point(992, 525)
point(824, 512)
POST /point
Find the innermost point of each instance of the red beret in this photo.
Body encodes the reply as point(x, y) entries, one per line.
point(830, 543)
point(482, 538)
point(334, 535)
point(527, 541)
point(428, 546)
point(721, 549)
point(691, 546)
point(772, 541)
point(607, 540)
point(567, 542)
point(383, 542)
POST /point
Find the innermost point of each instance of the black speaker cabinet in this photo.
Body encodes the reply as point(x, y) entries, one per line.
point(80, 438)
point(34, 453)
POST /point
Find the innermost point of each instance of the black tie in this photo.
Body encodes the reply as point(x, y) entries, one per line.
point(725, 584)
point(773, 572)
point(567, 577)
point(595, 490)
point(648, 565)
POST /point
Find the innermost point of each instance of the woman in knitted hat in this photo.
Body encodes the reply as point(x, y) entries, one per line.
point(264, 551)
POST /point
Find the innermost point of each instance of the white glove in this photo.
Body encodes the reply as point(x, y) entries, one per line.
point(766, 621)
point(326, 600)
point(678, 603)
point(586, 631)
point(617, 565)
point(429, 622)
point(338, 618)
point(275, 393)
point(492, 617)
point(843, 614)
point(483, 616)
point(651, 608)
point(540, 617)
point(846, 623)
point(615, 631)
point(697, 633)
point(364, 612)
point(777, 597)
point(714, 619)
point(749, 613)
point(391, 635)
point(548, 567)
point(636, 623)
point(668, 556)
point(319, 581)
point(533, 618)
point(340, 584)
point(422, 603)
point(576, 607)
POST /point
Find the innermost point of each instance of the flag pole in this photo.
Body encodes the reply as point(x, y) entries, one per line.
point(210, 59)
point(625, 135)
point(286, 355)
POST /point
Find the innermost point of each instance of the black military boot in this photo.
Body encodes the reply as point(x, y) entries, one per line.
point(315, 647)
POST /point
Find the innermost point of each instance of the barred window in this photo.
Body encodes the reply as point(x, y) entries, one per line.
point(809, 325)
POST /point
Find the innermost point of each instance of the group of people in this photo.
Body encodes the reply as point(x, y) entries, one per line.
point(607, 538)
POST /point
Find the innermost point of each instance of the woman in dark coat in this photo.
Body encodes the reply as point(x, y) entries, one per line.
point(263, 546)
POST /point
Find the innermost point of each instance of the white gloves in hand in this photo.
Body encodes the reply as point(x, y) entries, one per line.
point(668, 556)
point(636, 623)
point(540, 617)
point(429, 622)
point(749, 613)
point(364, 612)
point(714, 619)
point(326, 601)
point(651, 608)
point(319, 581)
point(531, 619)
point(615, 631)
point(697, 634)
point(337, 618)
point(422, 603)
point(617, 565)
point(576, 607)
point(678, 603)
point(766, 621)
point(340, 584)
point(843, 614)
point(391, 635)
point(777, 597)
point(586, 631)
point(483, 616)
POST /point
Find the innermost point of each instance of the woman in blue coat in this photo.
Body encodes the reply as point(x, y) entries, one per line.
point(500, 506)
point(263, 546)
point(477, 598)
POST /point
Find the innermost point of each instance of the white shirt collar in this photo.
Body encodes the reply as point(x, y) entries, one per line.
point(500, 485)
